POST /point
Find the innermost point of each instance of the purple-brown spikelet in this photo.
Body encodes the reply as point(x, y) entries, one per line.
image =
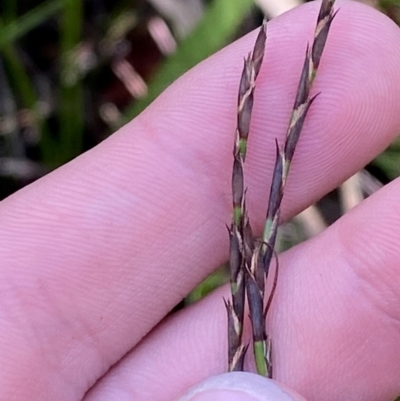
point(250, 259)
point(240, 230)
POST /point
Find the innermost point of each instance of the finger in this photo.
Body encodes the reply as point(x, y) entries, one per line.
point(240, 386)
point(98, 252)
point(334, 325)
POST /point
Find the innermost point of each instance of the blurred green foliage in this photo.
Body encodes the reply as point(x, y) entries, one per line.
point(65, 140)
point(15, 27)
point(215, 280)
point(220, 22)
point(389, 161)
point(387, 3)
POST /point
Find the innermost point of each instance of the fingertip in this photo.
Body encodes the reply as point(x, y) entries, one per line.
point(240, 386)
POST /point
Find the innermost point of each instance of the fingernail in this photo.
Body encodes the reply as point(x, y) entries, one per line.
point(240, 386)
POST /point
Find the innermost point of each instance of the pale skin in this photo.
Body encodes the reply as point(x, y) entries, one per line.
point(94, 255)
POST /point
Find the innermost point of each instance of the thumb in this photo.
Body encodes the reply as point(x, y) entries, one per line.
point(240, 386)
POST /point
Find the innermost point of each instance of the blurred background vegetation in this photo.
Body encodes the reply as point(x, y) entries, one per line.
point(73, 71)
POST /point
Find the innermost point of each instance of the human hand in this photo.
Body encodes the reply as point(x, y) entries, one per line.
point(95, 255)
